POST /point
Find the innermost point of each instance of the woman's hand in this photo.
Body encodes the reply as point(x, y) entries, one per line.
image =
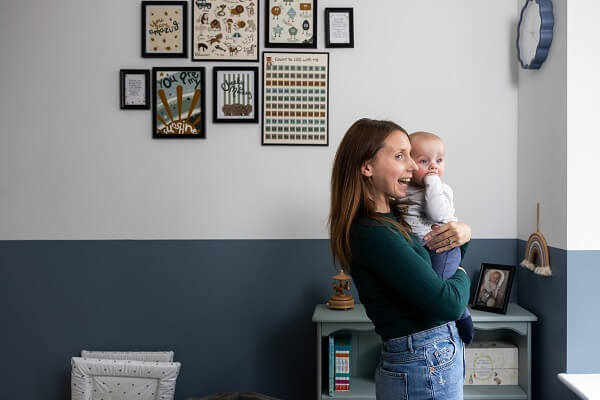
point(448, 236)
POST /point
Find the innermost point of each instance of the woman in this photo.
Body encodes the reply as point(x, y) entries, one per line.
point(413, 310)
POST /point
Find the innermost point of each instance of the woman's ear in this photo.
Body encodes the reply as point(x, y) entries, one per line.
point(366, 169)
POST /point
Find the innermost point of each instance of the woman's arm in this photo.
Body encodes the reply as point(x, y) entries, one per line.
point(409, 274)
point(448, 236)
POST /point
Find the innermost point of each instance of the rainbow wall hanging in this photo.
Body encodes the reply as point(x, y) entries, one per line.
point(537, 257)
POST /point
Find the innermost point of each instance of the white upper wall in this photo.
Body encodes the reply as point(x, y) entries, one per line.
point(542, 143)
point(583, 125)
point(74, 166)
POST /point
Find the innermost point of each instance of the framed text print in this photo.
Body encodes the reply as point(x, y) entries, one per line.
point(135, 89)
point(164, 29)
point(295, 98)
point(178, 103)
point(291, 23)
point(235, 92)
point(225, 30)
point(339, 27)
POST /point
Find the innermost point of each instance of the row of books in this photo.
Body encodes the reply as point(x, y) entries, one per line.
point(340, 346)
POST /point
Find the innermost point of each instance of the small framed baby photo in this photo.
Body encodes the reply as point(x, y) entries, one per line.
point(493, 289)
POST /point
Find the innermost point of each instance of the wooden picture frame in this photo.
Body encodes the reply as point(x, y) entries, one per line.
point(134, 89)
point(235, 94)
point(222, 31)
point(164, 29)
point(493, 288)
point(339, 27)
point(178, 103)
point(291, 23)
point(295, 98)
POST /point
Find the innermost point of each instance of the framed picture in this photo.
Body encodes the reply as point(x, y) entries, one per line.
point(178, 103)
point(164, 29)
point(235, 93)
point(493, 289)
point(224, 31)
point(295, 99)
point(291, 23)
point(135, 89)
point(339, 27)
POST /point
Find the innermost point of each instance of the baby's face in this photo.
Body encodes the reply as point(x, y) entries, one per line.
point(429, 156)
point(495, 278)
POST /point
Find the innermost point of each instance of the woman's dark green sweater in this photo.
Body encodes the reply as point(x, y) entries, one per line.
point(401, 292)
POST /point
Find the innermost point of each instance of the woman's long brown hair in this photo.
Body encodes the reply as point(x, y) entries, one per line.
point(350, 189)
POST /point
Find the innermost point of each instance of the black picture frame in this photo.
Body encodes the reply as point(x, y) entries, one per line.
point(207, 7)
point(268, 113)
point(123, 89)
point(493, 288)
point(328, 42)
point(188, 76)
point(182, 30)
point(270, 18)
point(235, 92)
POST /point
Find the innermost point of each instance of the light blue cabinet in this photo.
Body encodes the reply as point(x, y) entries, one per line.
point(514, 326)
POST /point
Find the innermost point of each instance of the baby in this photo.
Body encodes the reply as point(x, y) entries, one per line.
point(428, 202)
point(489, 289)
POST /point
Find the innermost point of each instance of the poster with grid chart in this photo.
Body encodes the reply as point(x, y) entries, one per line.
point(295, 98)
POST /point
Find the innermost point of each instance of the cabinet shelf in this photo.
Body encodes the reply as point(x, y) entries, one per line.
point(494, 392)
point(363, 388)
point(514, 326)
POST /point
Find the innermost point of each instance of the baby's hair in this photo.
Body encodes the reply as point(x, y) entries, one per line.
point(424, 135)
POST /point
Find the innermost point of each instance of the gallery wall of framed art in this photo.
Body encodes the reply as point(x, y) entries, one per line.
point(294, 99)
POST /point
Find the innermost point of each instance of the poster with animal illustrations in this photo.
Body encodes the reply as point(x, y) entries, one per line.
point(235, 92)
point(178, 102)
point(225, 30)
point(291, 23)
point(295, 98)
point(164, 29)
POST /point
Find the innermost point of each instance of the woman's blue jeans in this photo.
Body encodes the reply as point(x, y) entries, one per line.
point(425, 365)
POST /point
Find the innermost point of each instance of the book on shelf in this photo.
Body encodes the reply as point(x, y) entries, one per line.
point(342, 347)
point(331, 366)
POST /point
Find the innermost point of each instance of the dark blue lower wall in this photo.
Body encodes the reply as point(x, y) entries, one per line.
point(237, 313)
point(546, 297)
